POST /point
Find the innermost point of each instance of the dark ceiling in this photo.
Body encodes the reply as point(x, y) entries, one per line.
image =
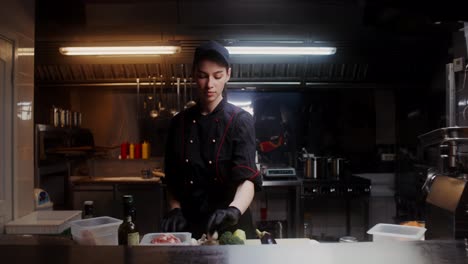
point(377, 41)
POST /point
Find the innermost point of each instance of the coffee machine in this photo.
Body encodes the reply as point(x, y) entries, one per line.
point(445, 184)
point(445, 152)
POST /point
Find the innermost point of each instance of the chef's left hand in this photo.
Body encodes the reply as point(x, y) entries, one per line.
point(223, 218)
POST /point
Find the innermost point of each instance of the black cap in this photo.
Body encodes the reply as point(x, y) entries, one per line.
point(209, 50)
point(127, 198)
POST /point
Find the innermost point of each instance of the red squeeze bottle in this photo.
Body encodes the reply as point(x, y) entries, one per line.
point(123, 150)
point(137, 151)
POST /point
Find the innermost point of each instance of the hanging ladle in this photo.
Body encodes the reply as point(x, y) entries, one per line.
point(162, 109)
point(185, 93)
point(154, 113)
point(191, 102)
point(173, 110)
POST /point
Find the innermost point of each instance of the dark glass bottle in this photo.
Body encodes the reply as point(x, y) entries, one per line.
point(88, 209)
point(129, 207)
point(128, 233)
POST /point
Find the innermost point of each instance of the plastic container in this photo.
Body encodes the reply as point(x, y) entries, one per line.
point(185, 238)
point(389, 232)
point(42, 222)
point(96, 231)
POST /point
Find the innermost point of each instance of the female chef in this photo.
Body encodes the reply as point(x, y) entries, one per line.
point(210, 156)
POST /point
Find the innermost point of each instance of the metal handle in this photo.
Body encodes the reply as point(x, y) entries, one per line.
point(431, 175)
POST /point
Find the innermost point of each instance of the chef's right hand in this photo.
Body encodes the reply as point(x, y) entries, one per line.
point(174, 221)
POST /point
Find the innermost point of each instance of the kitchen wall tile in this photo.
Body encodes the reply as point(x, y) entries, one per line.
point(111, 116)
point(17, 23)
point(24, 129)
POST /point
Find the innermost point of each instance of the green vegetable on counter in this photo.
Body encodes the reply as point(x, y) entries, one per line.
point(228, 238)
point(240, 234)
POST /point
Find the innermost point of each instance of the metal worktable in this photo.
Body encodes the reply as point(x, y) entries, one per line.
point(46, 250)
point(294, 203)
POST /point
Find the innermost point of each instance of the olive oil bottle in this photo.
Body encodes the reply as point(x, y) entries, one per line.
point(128, 233)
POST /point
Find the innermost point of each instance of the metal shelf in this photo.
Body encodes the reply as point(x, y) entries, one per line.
point(445, 134)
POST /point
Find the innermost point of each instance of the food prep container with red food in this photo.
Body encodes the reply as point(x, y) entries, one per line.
point(164, 239)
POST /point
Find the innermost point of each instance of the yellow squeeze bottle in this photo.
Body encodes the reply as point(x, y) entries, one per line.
point(132, 151)
point(145, 150)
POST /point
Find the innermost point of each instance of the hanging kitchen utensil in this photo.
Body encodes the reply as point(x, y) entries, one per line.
point(154, 112)
point(185, 93)
point(145, 100)
point(160, 102)
point(178, 94)
point(163, 111)
point(173, 110)
point(191, 102)
point(137, 100)
point(184, 99)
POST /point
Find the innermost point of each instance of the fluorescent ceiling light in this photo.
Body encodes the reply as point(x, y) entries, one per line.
point(282, 50)
point(130, 50)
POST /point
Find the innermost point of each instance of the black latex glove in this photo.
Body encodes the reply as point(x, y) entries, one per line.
point(223, 218)
point(174, 221)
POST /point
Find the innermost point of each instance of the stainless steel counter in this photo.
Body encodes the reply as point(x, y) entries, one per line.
point(439, 252)
point(281, 183)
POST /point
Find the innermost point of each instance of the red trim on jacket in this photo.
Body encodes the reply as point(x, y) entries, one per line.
point(256, 172)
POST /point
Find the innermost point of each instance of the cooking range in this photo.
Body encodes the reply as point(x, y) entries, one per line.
point(327, 207)
point(352, 186)
point(332, 208)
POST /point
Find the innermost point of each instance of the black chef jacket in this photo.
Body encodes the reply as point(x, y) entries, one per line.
point(207, 157)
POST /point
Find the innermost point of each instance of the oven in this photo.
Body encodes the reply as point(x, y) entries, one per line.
point(335, 208)
point(58, 151)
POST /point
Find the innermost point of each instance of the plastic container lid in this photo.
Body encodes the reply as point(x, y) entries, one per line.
point(396, 232)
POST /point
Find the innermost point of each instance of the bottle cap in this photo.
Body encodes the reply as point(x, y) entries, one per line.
point(88, 202)
point(128, 198)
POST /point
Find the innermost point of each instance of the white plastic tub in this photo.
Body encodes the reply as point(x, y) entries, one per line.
point(185, 238)
point(389, 232)
point(96, 231)
point(42, 222)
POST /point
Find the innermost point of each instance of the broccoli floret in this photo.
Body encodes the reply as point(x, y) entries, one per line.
point(235, 240)
point(225, 237)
